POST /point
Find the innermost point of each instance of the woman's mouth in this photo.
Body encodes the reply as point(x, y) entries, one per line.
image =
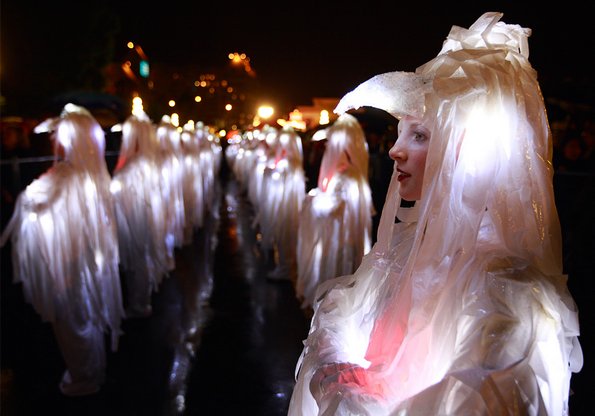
point(402, 175)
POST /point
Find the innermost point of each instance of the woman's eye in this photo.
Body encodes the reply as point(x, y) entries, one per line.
point(419, 136)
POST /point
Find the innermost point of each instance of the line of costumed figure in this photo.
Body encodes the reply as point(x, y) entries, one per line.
point(76, 230)
point(314, 237)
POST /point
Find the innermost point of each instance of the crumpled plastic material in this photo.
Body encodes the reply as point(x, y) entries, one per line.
point(465, 310)
point(282, 195)
point(146, 257)
point(172, 182)
point(65, 250)
point(335, 227)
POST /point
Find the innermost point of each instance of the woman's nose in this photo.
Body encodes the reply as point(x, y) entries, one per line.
point(397, 153)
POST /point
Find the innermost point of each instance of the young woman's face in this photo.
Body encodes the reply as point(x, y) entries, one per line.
point(410, 151)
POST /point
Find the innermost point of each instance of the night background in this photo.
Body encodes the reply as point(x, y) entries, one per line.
point(53, 52)
point(298, 50)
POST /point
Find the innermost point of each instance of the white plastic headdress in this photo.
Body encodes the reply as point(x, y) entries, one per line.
point(346, 147)
point(139, 137)
point(79, 134)
point(489, 158)
point(490, 147)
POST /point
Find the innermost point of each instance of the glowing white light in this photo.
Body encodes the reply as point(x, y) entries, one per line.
point(319, 135)
point(323, 203)
point(115, 186)
point(356, 346)
point(32, 216)
point(276, 175)
point(165, 173)
point(324, 117)
point(283, 164)
point(147, 169)
point(265, 111)
point(90, 189)
point(47, 223)
point(63, 136)
point(485, 130)
point(99, 259)
point(137, 106)
point(44, 126)
point(71, 108)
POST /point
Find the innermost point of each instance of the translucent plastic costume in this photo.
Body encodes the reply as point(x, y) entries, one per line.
point(259, 153)
point(141, 213)
point(463, 308)
point(210, 154)
point(336, 219)
point(243, 164)
point(172, 180)
point(282, 195)
point(65, 250)
point(193, 183)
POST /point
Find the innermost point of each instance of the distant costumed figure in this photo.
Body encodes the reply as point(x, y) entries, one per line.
point(210, 155)
point(141, 213)
point(193, 182)
point(245, 159)
point(260, 158)
point(461, 307)
point(282, 195)
point(335, 223)
point(65, 249)
point(171, 161)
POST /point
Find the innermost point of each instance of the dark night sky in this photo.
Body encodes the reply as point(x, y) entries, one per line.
point(299, 50)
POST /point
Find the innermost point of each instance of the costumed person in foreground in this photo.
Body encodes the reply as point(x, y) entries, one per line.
point(335, 226)
point(141, 213)
point(65, 250)
point(461, 307)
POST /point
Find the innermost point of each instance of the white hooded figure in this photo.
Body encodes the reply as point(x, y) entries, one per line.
point(260, 159)
point(461, 307)
point(172, 181)
point(335, 228)
point(141, 213)
point(210, 154)
point(65, 250)
point(193, 190)
point(282, 195)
